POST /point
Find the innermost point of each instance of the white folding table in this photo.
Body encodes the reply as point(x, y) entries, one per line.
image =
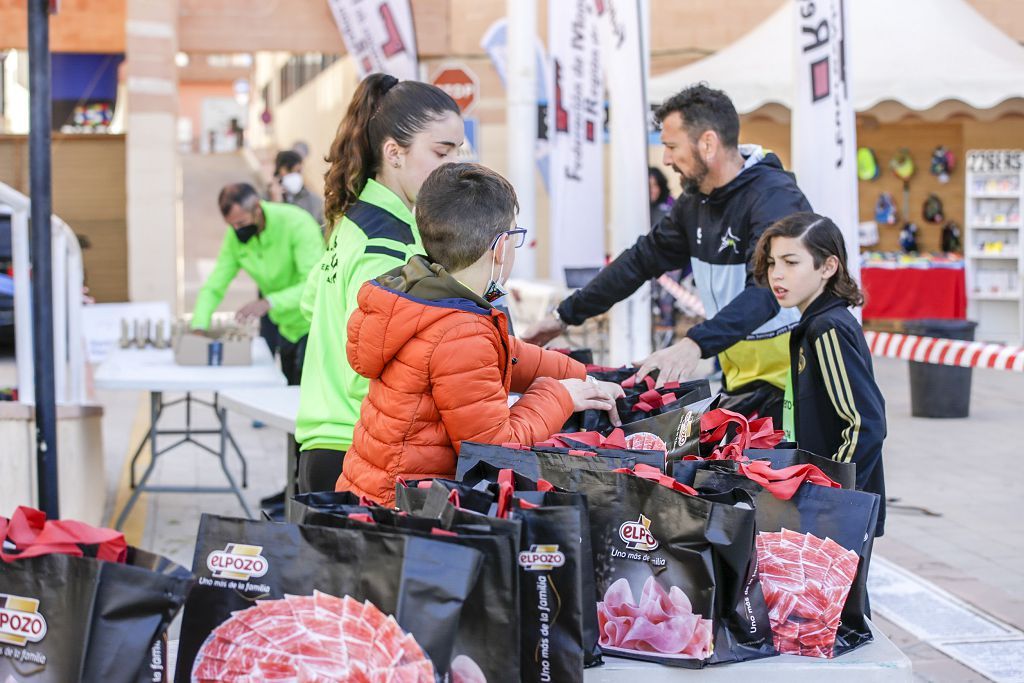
point(877, 662)
point(276, 407)
point(154, 371)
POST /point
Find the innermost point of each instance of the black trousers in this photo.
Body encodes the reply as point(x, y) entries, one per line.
point(292, 355)
point(319, 469)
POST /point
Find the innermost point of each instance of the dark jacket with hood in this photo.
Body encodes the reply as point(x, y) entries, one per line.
point(717, 234)
point(837, 409)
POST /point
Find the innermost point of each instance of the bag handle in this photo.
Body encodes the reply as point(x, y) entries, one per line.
point(615, 439)
point(784, 483)
point(33, 536)
point(654, 474)
point(506, 489)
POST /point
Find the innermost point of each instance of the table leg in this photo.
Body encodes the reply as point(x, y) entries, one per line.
point(155, 407)
point(234, 444)
point(224, 436)
point(142, 483)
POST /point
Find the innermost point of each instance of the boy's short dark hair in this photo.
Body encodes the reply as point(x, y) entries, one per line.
point(460, 209)
point(703, 109)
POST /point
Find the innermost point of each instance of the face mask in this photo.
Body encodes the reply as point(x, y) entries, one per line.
point(495, 287)
point(292, 183)
point(246, 232)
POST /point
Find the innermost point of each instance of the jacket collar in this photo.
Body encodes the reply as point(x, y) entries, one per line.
point(377, 194)
point(824, 303)
point(421, 280)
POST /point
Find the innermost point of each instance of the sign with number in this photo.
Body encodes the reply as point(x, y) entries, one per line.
point(459, 81)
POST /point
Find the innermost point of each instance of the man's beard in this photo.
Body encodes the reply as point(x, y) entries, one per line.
point(691, 183)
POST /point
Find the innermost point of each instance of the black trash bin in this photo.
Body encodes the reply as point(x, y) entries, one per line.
point(940, 390)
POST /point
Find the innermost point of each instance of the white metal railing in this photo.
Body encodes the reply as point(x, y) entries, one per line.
point(68, 278)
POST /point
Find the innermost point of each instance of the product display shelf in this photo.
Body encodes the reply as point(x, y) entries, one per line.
point(994, 263)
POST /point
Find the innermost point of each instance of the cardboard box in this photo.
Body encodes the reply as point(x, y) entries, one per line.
point(218, 347)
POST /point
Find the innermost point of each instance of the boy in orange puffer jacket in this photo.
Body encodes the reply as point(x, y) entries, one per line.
point(439, 357)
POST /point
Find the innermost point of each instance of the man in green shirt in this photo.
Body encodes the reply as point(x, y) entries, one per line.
point(277, 245)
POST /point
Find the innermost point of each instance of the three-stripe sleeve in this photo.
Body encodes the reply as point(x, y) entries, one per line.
point(840, 393)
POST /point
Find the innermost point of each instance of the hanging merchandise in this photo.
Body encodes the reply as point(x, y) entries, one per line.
point(885, 209)
point(933, 211)
point(902, 164)
point(943, 163)
point(952, 240)
point(867, 164)
point(908, 238)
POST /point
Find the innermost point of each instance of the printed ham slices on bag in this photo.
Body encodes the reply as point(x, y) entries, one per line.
point(312, 638)
point(661, 622)
point(283, 602)
point(675, 571)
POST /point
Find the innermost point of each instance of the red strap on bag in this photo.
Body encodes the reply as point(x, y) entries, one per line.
point(630, 382)
point(783, 484)
point(616, 439)
point(760, 433)
point(654, 474)
point(362, 517)
point(442, 532)
point(545, 486)
point(506, 487)
point(515, 446)
point(33, 536)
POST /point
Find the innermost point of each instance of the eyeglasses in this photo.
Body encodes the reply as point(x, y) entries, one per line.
point(517, 235)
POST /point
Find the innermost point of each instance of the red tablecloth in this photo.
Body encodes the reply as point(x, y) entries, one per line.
point(914, 293)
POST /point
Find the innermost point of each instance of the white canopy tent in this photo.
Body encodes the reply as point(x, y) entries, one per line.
point(918, 53)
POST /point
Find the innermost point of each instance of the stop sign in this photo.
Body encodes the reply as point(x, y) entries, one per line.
point(459, 81)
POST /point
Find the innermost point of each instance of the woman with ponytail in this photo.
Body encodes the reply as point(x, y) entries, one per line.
point(393, 135)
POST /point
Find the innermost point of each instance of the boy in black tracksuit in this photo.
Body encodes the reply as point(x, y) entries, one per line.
point(838, 410)
point(833, 406)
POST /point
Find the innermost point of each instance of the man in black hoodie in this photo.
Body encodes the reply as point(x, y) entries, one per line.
point(731, 194)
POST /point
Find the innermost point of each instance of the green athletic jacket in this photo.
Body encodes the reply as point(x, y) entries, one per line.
point(279, 259)
point(377, 234)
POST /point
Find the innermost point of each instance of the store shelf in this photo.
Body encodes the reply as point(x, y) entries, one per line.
point(997, 195)
point(1001, 313)
point(995, 296)
point(1005, 256)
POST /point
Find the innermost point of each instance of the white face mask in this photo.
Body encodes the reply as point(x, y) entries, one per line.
point(292, 183)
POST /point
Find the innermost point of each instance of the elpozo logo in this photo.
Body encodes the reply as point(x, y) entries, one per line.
point(685, 429)
point(20, 620)
point(637, 535)
point(238, 561)
point(541, 558)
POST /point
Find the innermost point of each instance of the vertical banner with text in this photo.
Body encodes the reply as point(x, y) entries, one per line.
point(623, 43)
point(575, 130)
point(379, 34)
point(824, 128)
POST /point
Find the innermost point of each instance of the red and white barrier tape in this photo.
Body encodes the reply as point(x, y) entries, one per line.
point(946, 351)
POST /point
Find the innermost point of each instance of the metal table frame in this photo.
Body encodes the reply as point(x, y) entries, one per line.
point(156, 409)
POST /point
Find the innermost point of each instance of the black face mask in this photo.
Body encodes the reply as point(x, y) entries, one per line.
point(246, 232)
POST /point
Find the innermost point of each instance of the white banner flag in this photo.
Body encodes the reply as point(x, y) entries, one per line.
point(379, 35)
point(623, 50)
point(824, 125)
point(575, 132)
